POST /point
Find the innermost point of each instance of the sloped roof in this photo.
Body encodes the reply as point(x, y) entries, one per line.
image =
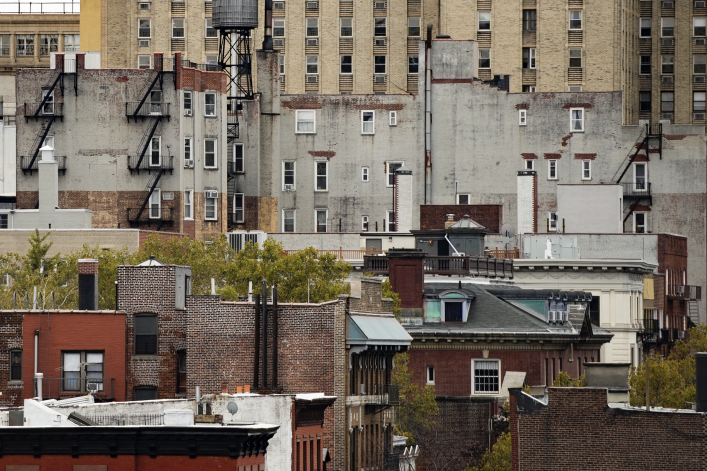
point(376, 330)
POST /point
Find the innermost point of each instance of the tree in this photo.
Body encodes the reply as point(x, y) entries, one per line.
point(418, 406)
point(564, 380)
point(499, 458)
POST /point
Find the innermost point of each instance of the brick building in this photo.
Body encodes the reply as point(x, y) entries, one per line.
point(140, 148)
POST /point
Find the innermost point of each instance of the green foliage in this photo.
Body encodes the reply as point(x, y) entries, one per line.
point(499, 458)
point(387, 291)
point(418, 407)
point(564, 380)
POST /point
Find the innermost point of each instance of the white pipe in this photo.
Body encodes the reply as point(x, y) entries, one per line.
point(250, 291)
point(36, 349)
point(39, 377)
point(428, 125)
point(452, 245)
point(213, 286)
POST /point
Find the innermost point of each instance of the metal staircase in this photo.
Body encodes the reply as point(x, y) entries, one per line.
point(149, 189)
point(28, 164)
point(145, 142)
point(693, 312)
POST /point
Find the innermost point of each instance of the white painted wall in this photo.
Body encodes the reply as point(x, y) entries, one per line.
point(8, 180)
point(39, 415)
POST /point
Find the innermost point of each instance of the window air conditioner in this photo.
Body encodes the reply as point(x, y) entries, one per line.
point(668, 5)
point(574, 88)
point(680, 289)
point(380, 42)
point(278, 5)
point(312, 42)
point(282, 79)
point(211, 194)
point(312, 5)
point(666, 116)
point(699, 116)
point(699, 79)
point(189, 163)
point(144, 43)
point(380, 79)
point(667, 79)
point(187, 112)
point(237, 240)
point(700, 4)
point(668, 42)
point(312, 79)
point(289, 187)
point(700, 42)
point(379, 5)
point(278, 42)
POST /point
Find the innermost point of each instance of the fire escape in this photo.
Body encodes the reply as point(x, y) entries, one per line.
point(639, 190)
point(147, 159)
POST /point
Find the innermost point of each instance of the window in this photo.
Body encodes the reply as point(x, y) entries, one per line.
point(278, 27)
point(4, 222)
point(178, 28)
point(188, 204)
point(484, 58)
point(72, 42)
point(282, 64)
point(187, 103)
point(288, 175)
point(639, 223)
point(209, 153)
point(210, 104)
point(552, 169)
point(5, 45)
point(379, 64)
point(346, 27)
point(528, 88)
point(380, 28)
point(364, 223)
point(645, 29)
point(576, 119)
point(144, 28)
point(364, 174)
point(431, 375)
point(414, 27)
point(49, 103)
point(144, 393)
point(529, 20)
point(210, 30)
point(212, 61)
point(390, 220)
point(586, 169)
point(644, 101)
point(487, 375)
point(640, 176)
point(181, 371)
point(392, 118)
point(522, 117)
point(699, 63)
point(144, 61)
point(575, 19)
point(155, 146)
point(25, 44)
point(211, 205)
point(463, 199)
point(529, 57)
point(484, 20)
point(699, 26)
point(15, 365)
point(698, 101)
point(288, 220)
point(367, 122)
point(312, 30)
point(392, 167)
point(529, 164)
point(667, 27)
point(575, 57)
point(667, 100)
point(238, 212)
point(413, 64)
point(667, 63)
point(346, 65)
point(552, 220)
point(321, 176)
point(188, 162)
point(145, 334)
point(48, 43)
point(238, 158)
point(80, 369)
point(320, 219)
point(155, 201)
point(645, 64)
point(305, 121)
point(312, 64)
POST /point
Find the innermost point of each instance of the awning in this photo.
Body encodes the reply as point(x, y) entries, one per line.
point(376, 330)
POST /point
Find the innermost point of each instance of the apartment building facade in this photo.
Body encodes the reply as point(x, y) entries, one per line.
point(140, 148)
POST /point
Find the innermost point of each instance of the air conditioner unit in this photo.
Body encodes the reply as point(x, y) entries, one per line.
point(312, 79)
point(668, 116)
point(380, 79)
point(211, 193)
point(680, 289)
point(289, 187)
point(312, 5)
point(700, 4)
point(698, 116)
point(363, 389)
point(189, 163)
point(668, 5)
point(698, 79)
point(668, 42)
point(312, 42)
point(379, 5)
point(187, 112)
point(380, 42)
point(144, 6)
point(278, 42)
point(574, 88)
point(237, 240)
point(551, 316)
point(667, 79)
point(282, 79)
point(278, 5)
point(144, 43)
point(700, 42)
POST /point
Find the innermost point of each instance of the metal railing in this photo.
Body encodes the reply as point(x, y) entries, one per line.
point(233, 168)
point(344, 254)
point(9, 120)
point(654, 129)
point(194, 65)
point(638, 189)
point(72, 48)
point(25, 161)
point(24, 51)
point(46, 50)
point(40, 8)
point(49, 109)
point(146, 109)
point(166, 162)
point(664, 336)
point(466, 266)
point(686, 292)
point(650, 326)
point(126, 419)
point(375, 265)
point(503, 253)
point(165, 215)
point(59, 388)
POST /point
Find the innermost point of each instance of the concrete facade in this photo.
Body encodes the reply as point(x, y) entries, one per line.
point(604, 215)
point(8, 175)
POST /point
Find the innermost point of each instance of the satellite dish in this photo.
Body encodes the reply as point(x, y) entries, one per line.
point(232, 408)
point(507, 232)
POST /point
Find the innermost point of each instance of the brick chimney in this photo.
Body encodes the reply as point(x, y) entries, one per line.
point(88, 284)
point(405, 269)
point(80, 61)
point(449, 222)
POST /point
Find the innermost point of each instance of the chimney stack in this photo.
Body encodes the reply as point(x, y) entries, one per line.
point(701, 381)
point(88, 284)
point(407, 278)
point(449, 222)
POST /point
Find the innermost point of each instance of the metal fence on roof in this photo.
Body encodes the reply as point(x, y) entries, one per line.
point(40, 8)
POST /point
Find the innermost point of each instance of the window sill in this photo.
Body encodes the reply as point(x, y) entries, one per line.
point(211, 168)
point(146, 357)
point(301, 132)
point(210, 117)
point(430, 383)
point(210, 220)
point(188, 219)
point(15, 383)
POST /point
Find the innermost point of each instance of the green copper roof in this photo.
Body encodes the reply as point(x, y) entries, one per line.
point(376, 330)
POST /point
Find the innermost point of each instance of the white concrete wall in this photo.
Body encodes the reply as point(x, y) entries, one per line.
point(8, 181)
point(318, 240)
point(526, 203)
point(39, 415)
point(603, 216)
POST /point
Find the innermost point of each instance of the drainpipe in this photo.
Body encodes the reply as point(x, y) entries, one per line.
point(36, 350)
point(428, 116)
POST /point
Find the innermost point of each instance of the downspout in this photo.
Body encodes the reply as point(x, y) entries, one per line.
point(36, 350)
point(428, 116)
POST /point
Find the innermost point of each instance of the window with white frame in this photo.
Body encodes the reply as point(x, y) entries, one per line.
point(391, 167)
point(155, 148)
point(288, 220)
point(188, 204)
point(155, 204)
point(25, 44)
point(698, 102)
point(210, 30)
point(484, 58)
point(278, 27)
point(188, 157)
point(667, 63)
point(211, 205)
point(238, 211)
point(187, 102)
point(144, 61)
point(320, 220)
point(639, 223)
point(575, 20)
point(346, 27)
point(392, 118)
point(288, 175)
point(379, 63)
point(312, 64)
point(413, 64)
point(575, 58)
point(529, 57)
point(212, 62)
point(364, 223)
point(78, 369)
point(72, 42)
point(699, 26)
point(210, 104)
point(552, 169)
point(210, 153)
point(238, 166)
point(305, 121)
point(48, 43)
point(177, 28)
point(312, 29)
point(522, 117)
point(529, 164)
point(144, 29)
point(667, 27)
point(380, 27)
point(586, 169)
point(484, 20)
point(390, 220)
point(321, 175)
point(431, 375)
point(413, 27)
point(645, 28)
point(640, 176)
point(667, 102)
point(552, 220)
point(364, 174)
point(576, 119)
point(487, 376)
point(464, 198)
point(368, 122)
point(346, 64)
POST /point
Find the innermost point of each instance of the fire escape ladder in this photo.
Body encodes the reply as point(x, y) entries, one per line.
point(47, 94)
point(639, 147)
point(147, 93)
point(631, 207)
point(151, 185)
point(39, 140)
point(145, 142)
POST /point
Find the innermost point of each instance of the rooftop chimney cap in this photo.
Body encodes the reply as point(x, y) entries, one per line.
point(450, 217)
